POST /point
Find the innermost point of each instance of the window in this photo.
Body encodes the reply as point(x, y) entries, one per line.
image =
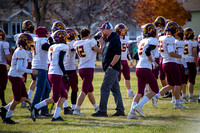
point(16, 28)
point(5, 28)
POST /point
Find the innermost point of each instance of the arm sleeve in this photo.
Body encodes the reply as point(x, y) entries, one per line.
point(51, 41)
point(21, 68)
point(148, 50)
point(45, 46)
point(60, 62)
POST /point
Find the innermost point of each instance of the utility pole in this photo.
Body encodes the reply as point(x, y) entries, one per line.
point(30, 10)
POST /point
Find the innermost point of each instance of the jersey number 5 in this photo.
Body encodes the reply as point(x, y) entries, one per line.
point(124, 46)
point(141, 49)
point(186, 49)
point(80, 51)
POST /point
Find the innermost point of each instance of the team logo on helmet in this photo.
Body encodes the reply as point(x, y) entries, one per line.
point(58, 26)
point(2, 34)
point(188, 34)
point(26, 41)
point(160, 22)
point(171, 26)
point(149, 30)
point(60, 36)
point(28, 25)
point(121, 29)
point(179, 33)
point(72, 34)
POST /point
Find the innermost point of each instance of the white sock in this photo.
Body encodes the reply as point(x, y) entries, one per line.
point(41, 104)
point(132, 105)
point(95, 105)
point(9, 113)
point(190, 95)
point(73, 106)
point(177, 101)
point(184, 95)
point(173, 98)
point(146, 87)
point(30, 92)
point(129, 91)
point(143, 101)
point(65, 103)
point(158, 95)
point(57, 111)
point(7, 106)
point(77, 107)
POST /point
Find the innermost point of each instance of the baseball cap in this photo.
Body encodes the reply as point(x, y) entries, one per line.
point(106, 25)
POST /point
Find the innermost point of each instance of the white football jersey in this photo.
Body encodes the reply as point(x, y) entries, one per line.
point(189, 45)
point(70, 62)
point(40, 56)
point(144, 62)
point(124, 45)
point(86, 55)
point(18, 54)
point(166, 46)
point(53, 56)
point(4, 50)
point(179, 49)
point(28, 52)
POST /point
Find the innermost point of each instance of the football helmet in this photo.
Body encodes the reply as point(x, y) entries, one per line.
point(2, 34)
point(26, 41)
point(171, 26)
point(72, 34)
point(58, 25)
point(167, 21)
point(28, 25)
point(121, 29)
point(60, 36)
point(149, 30)
point(160, 22)
point(188, 34)
point(179, 32)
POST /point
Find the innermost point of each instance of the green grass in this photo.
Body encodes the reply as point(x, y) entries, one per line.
point(163, 119)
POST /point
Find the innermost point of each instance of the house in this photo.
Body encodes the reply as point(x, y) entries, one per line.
point(194, 7)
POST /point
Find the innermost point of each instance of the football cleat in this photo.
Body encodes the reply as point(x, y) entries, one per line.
point(57, 119)
point(9, 121)
point(33, 113)
point(155, 101)
point(191, 99)
point(68, 110)
point(180, 106)
point(132, 116)
point(77, 112)
point(139, 110)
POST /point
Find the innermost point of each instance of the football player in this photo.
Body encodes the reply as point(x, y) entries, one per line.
point(4, 57)
point(39, 63)
point(170, 67)
point(18, 68)
point(70, 68)
point(144, 70)
point(29, 28)
point(86, 49)
point(198, 61)
point(190, 51)
point(122, 30)
point(56, 54)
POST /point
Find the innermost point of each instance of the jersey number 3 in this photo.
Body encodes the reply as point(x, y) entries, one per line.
point(80, 51)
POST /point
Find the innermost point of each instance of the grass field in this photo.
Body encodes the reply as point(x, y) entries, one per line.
point(163, 119)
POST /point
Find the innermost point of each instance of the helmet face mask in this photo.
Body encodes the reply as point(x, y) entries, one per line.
point(28, 25)
point(188, 34)
point(60, 36)
point(25, 40)
point(58, 26)
point(2, 34)
point(149, 30)
point(121, 29)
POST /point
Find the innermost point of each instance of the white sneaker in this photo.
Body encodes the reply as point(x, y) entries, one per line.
point(132, 116)
point(139, 110)
point(155, 101)
point(180, 106)
point(77, 112)
point(182, 100)
point(130, 94)
point(191, 99)
point(173, 101)
point(96, 109)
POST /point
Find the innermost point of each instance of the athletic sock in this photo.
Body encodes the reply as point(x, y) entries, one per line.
point(95, 105)
point(30, 92)
point(65, 103)
point(129, 91)
point(190, 95)
point(132, 105)
point(7, 106)
point(57, 111)
point(41, 104)
point(184, 95)
point(73, 106)
point(9, 113)
point(143, 101)
point(173, 98)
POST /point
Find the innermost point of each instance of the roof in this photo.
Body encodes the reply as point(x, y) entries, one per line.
point(191, 5)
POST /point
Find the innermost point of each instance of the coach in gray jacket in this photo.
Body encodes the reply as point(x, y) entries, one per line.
point(111, 65)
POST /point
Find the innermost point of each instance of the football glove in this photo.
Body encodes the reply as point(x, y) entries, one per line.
point(66, 78)
point(154, 64)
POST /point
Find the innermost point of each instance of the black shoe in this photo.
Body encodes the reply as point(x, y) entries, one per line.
point(198, 101)
point(46, 114)
point(9, 121)
point(57, 119)
point(68, 110)
point(167, 95)
point(33, 113)
point(100, 114)
point(3, 113)
point(118, 114)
